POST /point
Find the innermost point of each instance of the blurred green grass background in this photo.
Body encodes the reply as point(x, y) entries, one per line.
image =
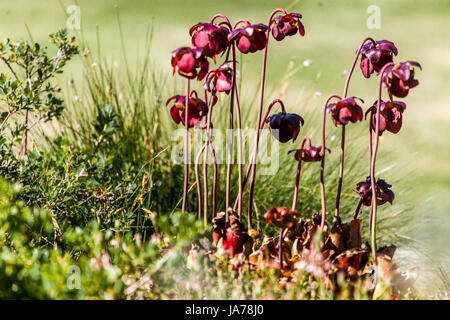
point(420, 152)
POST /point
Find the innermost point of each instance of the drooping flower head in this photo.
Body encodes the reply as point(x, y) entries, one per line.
point(213, 39)
point(399, 78)
point(191, 62)
point(309, 154)
point(285, 126)
point(281, 217)
point(375, 57)
point(287, 25)
point(345, 111)
point(250, 38)
point(384, 193)
point(220, 79)
point(197, 110)
point(390, 116)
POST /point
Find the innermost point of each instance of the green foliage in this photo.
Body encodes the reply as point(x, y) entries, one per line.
point(92, 214)
point(27, 87)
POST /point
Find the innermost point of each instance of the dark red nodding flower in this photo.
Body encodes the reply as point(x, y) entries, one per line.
point(287, 25)
point(197, 110)
point(399, 78)
point(374, 57)
point(285, 126)
point(309, 154)
point(250, 38)
point(220, 79)
point(213, 39)
point(384, 193)
point(191, 62)
point(390, 116)
point(345, 111)
point(281, 217)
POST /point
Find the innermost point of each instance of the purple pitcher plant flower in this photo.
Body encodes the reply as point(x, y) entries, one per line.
point(250, 38)
point(399, 78)
point(220, 79)
point(197, 110)
point(345, 111)
point(384, 193)
point(191, 62)
point(287, 25)
point(375, 56)
point(213, 39)
point(285, 126)
point(390, 116)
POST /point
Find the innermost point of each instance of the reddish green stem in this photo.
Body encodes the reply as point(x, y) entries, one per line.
point(186, 148)
point(373, 207)
point(197, 180)
point(261, 102)
point(261, 126)
point(344, 95)
point(299, 171)
point(322, 163)
point(239, 127)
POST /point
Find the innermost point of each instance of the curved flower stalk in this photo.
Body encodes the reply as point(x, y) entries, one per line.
point(239, 142)
point(286, 125)
point(261, 102)
point(223, 80)
point(322, 164)
point(190, 114)
point(197, 180)
point(186, 148)
point(344, 111)
point(212, 102)
point(401, 77)
point(362, 46)
point(227, 82)
point(306, 153)
point(191, 63)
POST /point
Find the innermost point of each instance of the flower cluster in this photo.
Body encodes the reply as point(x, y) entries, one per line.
point(311, 245)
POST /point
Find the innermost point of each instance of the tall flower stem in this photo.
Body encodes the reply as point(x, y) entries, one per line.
point(186, 147)
point(344, 95)
point(280, 249)
point(261, 102)
point(297, 182)
point(205, 165)
point(322, 163)
point(355, 60)
point(341, 173)
point(297, 178)
point(233, 85)
point(197, 180)
point(239, 128)
point(373, 207)
point(358, 208)
point(261, 126)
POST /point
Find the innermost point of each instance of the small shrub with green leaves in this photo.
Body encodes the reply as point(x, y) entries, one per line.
point(27, 88)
